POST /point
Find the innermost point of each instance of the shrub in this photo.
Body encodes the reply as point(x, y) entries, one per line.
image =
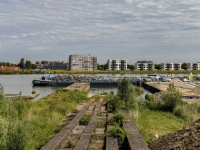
point(171, 98)
point(119, 133)
point(85, 119)
point(33, 92)
point(101, 124)
point(116, 119)
point(115, 103)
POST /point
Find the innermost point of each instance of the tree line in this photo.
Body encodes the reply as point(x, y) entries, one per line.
point(22, 64)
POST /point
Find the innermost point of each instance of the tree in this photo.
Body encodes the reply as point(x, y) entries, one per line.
point(157, 66)
point(28, 64)
point(34, 66)
point(184, 66)
point(131, 67)
point(126, 92)
point(102, 67)
point(22, 64)
point(171, 98)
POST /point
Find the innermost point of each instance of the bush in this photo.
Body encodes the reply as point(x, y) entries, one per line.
point(119, 133)
point(171, 98)
point(116, 119)
point(115, 103)
point(33, 92)
point(101, 124)
point(85, 119)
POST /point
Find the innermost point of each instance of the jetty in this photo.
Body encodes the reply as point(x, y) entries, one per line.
point(83, 87)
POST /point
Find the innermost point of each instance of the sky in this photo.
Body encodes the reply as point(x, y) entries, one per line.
point(157, 30)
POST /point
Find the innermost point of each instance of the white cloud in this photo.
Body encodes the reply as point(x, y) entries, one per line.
point(99, 26)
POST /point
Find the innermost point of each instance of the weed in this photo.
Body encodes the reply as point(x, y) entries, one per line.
point(116, 119)
point(119, 133)
point(85, 119)
point(101, 124)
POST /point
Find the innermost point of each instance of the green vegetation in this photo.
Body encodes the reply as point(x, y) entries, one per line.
point(33, 92)
point(85, 119)
point(184, 66)
point(151, 122)
point(101, 124)
point(116, 119)
point(26, 125)
point(163, 115)
point(119, 133)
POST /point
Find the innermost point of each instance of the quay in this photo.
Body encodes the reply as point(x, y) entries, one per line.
point(83, 87)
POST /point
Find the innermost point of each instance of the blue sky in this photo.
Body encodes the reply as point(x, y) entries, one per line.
point(158, 30)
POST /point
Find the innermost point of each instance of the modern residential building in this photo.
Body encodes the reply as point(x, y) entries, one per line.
point(56, 65)
point(170, 66)
point(82, 62)
point(117, 64)
point(193, 66)
point(144, 65)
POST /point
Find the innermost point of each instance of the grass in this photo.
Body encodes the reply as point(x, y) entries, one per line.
point(30, 125)
point(151, 122)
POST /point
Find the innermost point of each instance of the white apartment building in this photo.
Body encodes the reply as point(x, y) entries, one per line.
point(170, 66)
point(117, 64)
point(193, 66)
point(144, 65)
point(82, 62)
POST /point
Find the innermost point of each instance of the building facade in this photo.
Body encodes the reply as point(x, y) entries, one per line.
point(193, 66)
point(170, 66)
point(144, 65)
point(82, 62)
point(117, 64)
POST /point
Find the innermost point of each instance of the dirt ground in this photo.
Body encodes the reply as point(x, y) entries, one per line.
point(187, 138)
point(186, 88)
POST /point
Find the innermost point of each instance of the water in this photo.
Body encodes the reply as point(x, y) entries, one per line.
point(14, 84)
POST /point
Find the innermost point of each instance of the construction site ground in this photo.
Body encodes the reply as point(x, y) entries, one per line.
point(186, 88)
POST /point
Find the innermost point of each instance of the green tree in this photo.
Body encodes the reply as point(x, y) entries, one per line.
point(28, 64)
point(126, 92)
point(22, 64)
point(102, 67)
point(8, 64)
point(184, 66)
point(171, 98)
point(157, 66)
point(34, 66)
point(131, 67)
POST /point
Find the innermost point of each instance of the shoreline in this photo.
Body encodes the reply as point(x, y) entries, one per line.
point(106, 72)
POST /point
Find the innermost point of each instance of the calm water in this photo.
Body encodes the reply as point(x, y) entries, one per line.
point(14, 84)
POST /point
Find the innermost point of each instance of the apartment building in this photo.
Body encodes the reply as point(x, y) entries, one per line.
point(55, 65)
point(82, 62)
point(193, 66)
point(117, 64)
point(144, 65)
point(170, 66)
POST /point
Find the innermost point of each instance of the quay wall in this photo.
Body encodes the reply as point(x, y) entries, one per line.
point(151, 88)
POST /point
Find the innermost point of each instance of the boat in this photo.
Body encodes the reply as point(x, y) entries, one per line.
point(43, 81)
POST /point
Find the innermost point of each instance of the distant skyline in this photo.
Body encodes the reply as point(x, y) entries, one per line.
point(157, 30)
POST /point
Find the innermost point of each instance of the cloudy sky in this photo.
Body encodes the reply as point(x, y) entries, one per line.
point(158, 30)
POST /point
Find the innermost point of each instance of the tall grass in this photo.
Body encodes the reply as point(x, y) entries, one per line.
point(26, 125)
